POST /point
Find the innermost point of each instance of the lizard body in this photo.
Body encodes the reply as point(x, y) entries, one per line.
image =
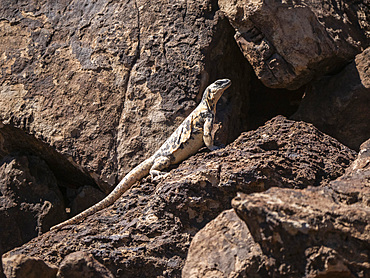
point(186, 140)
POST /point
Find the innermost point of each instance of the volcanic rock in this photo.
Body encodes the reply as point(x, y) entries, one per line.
point(288, 43)
point(82, 265)
point(79, 76)
point(21, 266)
point(224, 248)
point(30, 200)
point(147, 232)
point(314, 232)
point(339, 105)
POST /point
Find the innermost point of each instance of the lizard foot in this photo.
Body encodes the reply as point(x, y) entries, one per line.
point(159, 176)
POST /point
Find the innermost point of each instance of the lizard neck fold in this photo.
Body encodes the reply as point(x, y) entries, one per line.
point(211, 106)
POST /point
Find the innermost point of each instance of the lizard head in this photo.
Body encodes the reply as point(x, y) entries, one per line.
point(214, 91)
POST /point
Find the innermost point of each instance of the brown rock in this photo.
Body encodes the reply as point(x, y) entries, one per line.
point(14, 140)
point(314, 232)
point(1, 265)
point(353, 187)
point(224, 248)
point(21, 266)
point(30, 200)
point(147, 232)
point(82, 265)
point(79, 77)
point(86, 197)
point(339, 105)
point(290, 42)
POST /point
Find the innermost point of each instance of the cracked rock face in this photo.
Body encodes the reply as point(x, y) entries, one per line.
point(147, 232)
point(313, 232)
point(88, 89)
point(290, 42)
point(78, 75)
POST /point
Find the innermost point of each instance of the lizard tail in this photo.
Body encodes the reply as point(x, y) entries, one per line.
point(133, 176)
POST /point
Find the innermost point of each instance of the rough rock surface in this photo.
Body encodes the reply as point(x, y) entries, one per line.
point(78, 75)
point(330, 102)
point(82, 265)
point(30, 200)
point(21, 266)
point(314, 232)
point(86, 197)
point(224, 248)
point(148, 231)
point(290, 42)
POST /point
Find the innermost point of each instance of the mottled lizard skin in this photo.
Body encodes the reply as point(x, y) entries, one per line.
point(187, 139)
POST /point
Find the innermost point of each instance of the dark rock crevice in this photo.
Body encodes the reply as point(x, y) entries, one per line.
point(35, 181)
point(248, 103)
point(15, 140)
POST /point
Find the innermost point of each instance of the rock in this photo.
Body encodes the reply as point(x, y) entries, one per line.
point(288, 43)
point(14, 140)
point(353, 187)
point(314, 232)
point(1, 267)
point(339, 105)
point(78, 76)
point(21, 266)
point(30, 200)
point(82, 265)
point(86, 197)
point(224, 248)
point(147, 232)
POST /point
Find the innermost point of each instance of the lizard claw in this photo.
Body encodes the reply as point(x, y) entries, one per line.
point(159, 176)
point(213, 148)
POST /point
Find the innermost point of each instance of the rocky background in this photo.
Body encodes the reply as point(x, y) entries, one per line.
point(88, 89)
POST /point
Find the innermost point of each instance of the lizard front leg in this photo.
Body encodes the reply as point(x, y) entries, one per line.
point(160, 163)
point(207, 129)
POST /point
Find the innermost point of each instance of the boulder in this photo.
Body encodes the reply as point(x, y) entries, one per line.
point(82, 265)
point(21, 266)
point(288, 43)
point(224, 248)
point(30, 200)
point(339, 105)
point(79, 76)
point(147, 232)
point(314, 232)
